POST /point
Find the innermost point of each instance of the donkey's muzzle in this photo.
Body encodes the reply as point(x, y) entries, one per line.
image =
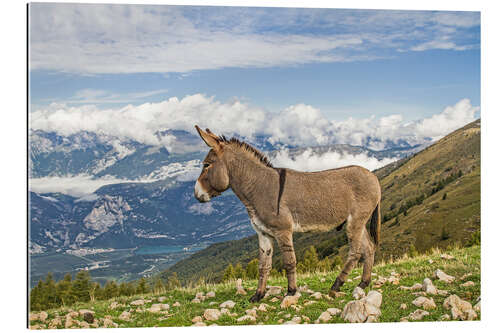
point(200, 194)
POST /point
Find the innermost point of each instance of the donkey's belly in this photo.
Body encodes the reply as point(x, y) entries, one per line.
point(317, 225)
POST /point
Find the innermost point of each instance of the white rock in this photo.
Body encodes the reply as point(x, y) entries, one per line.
point(374, 297)
point(196, 300)
point(334, 311)
point(210, 294)
point(197, 319)
point(316, 295)
point(228, 304)
point(424, 302)
point(162, 299)
point(251, 312)
point(125, 315)
point(245, 318)
point(403, 306)
point(429, 287)
point(324, 317)
point(358, 293)
point(239, 288)
point(211, 314)
point(176, 304)
point(290, 300)
point(444, 317)
point(467, 284)
point(460, 309)
point(439, 274)
point(159, 307)
point(137, 302)
point(418, 314)
point(273, 290)
point(354, 312)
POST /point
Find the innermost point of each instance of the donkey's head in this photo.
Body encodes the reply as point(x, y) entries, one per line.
point(214, 177)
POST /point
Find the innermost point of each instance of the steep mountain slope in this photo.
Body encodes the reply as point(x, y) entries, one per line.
point(412, 202)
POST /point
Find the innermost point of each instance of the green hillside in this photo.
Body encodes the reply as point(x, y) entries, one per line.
point(175, 307)
point(417, 213)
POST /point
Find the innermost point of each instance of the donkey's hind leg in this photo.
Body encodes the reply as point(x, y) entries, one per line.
point(368, 250)
point(354, 231)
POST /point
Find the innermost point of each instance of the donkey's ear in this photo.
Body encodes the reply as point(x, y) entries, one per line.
point(210, 139)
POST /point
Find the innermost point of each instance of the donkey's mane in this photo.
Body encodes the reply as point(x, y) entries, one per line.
point(247, 148)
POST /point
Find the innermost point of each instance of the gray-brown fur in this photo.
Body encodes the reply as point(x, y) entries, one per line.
point(296, 201)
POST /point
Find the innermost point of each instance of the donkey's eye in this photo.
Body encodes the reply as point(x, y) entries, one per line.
point(206, 165)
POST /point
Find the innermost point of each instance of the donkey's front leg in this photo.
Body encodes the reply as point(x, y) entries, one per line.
point(285, 242)
point(265, 264)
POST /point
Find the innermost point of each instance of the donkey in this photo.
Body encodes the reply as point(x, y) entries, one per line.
point(280, 201)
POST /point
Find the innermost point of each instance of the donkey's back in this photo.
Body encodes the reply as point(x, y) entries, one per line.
point(325, 199)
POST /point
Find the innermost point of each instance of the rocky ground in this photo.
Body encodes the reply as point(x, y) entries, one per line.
point(435, 287)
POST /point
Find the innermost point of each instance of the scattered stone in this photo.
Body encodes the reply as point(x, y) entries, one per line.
point(416, 286)
point(263, 307)
point(239, 288)
point(69, 322)
point(424, 302)
point(211, 314)
point(403, 306)
point(212, 303)
point(137, 302)
point(307, 303)
point(337, 294)
point(33, 316)
point(418, 314)
point(393, 279)
point(466, 275)
point(322, 280)
point(228, 304)
point(125, 316)
point(176, 304)
point(430, 261)
point(251, 312)
point(334, 311)
point(447, 256)
point(358, 293)
point(289, 300)
point(357, 277)
point(274, 300)
point(306, 318)
point(439, 274)
point(444, 317)
point(429, 287)
point(245, 318)
point(199, 295)
point(83, 324)
point(162, 299)
point(443, 292)
point(467, 284)
point(460, 309)
point(280, 321)
point(158, 307)
point(288, 315)
point(273, 290)
point(210, 294)
point(316, 295)
point(196, 300)
point(54, 323)
point(197, 319)
point(366, 309)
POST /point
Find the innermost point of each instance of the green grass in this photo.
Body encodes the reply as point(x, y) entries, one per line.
point(411, 270)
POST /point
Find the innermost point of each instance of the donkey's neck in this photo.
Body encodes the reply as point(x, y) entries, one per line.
point(251, 180)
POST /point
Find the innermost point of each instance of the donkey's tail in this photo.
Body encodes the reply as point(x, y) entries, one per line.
point(375, 224)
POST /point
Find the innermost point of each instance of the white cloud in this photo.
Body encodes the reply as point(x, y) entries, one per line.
point(97, 38)
point(77, 186)
point(311, 161)
point(300, 124)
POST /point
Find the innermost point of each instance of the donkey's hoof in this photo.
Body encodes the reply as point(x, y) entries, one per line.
point(256, 297)
point(291, 292)
point(364, 284)
point(336, 285)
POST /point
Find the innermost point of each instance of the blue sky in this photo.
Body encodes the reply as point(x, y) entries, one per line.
point(340, 63)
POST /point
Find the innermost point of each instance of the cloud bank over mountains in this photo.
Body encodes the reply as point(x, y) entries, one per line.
point(297, 125)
